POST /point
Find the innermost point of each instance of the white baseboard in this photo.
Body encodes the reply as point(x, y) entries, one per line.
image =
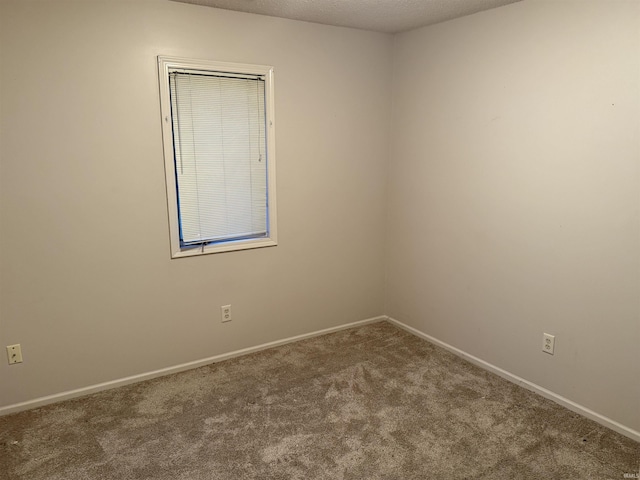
point(575, 407)
point(58, 397)
point(565, 402)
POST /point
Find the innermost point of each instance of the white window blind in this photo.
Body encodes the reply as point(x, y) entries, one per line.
point(219, 141)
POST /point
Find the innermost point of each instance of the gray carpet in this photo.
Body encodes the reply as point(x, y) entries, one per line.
point(368, 403)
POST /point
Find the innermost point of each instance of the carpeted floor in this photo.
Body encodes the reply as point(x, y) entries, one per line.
point(368, 403)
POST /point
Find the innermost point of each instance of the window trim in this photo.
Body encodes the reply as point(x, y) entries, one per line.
point(167, 63)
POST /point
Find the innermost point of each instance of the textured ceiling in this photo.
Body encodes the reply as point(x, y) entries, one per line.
point(389, 16)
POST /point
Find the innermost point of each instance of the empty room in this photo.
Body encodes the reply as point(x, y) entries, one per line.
point(313, 239)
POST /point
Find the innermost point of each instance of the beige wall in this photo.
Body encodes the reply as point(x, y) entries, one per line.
point(88, 287)
point(513, 187)
point(514, 194)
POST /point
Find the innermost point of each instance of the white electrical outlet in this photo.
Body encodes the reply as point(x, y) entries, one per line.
point(226, 313)
point(14, 352)
point(548, 343)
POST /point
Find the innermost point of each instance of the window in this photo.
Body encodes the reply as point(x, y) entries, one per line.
point(218, 134)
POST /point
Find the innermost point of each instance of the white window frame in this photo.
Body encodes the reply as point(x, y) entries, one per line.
point(167, 64)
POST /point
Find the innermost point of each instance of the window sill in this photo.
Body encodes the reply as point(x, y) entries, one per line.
point(225, 247)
